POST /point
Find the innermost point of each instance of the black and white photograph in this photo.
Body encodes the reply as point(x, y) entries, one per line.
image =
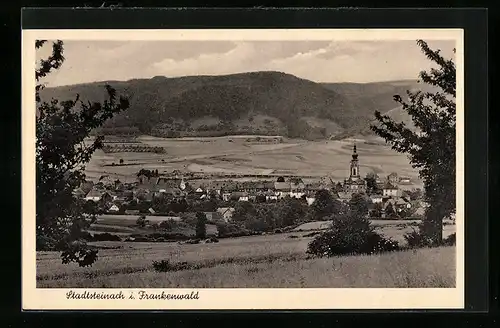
point(239, 161)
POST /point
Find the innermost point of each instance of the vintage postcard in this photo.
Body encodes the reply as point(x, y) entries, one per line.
point(243, 169)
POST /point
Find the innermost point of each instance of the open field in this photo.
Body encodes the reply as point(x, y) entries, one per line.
point(275, 260)
point(236, 155)
point(124, 225)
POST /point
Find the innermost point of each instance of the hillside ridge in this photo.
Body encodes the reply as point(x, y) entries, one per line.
point(261, 102)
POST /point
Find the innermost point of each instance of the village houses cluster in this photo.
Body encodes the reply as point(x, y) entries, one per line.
point(149, 184)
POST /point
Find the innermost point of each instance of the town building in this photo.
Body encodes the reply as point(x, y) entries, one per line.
point(310, 200)
point(282, 188)
point(96, 195)
point(114, 208)
point(376, 198)
point(393, 178)
point(391, 190)
point(343, 196)
point(404, 180)
point(226, 212)
point(354, 184)
point(213, 216)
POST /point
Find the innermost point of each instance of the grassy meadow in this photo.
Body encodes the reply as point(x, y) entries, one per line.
point(124, 225)
point(276, 260)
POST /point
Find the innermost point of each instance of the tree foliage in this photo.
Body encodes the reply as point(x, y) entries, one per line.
point(289, 211)
point(270, 216)
point(371, 184)
point(359, 204)
point(201, 228)
point(61, 155)
point(350, 234)
point(325, 205)
point(431, 149)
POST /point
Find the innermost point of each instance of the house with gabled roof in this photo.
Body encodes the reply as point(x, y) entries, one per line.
point(268, 185)
point(226, 213)
point(310, 200)
point(313, 187)
point(297, 183)
point(87, 186)
point(142, 179)
point(226, 196)
point(404, 180)
point(94, 195)
point(196, 184)
point(402, 204)
point(79, 193)
point(143, 194)
point(240, 196)
point(391, 190)
point(230, 186)
point(344, 196)
point(216, 186)
point(213, 216)
point(114, 208)
point(297, 193)
point(392, 178)
point(376, 198)
point(282, 186)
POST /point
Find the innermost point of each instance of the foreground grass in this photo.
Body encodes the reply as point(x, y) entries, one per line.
point(138, 256)
point(411, 269)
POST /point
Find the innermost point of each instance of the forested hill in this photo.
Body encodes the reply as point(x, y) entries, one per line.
point(255, 103)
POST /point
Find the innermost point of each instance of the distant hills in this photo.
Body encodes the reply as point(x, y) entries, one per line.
point(247, 103)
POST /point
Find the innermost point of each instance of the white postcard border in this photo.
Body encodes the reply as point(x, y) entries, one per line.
point(232, 298)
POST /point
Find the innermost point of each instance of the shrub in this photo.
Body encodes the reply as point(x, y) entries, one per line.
point(201, 230)
point(451, 240)
point(168, 224)
point(162, 266)
point(105, 237)
point(141, 221)
point(350, 234)
point(166, 266)
point(227, 230)
point(416, 239)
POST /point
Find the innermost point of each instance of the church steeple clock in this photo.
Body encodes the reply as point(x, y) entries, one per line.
point(354, 166)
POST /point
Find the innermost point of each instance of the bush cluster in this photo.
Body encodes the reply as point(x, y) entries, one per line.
point(106, 236)
point(416, 239)
point(157, 237)
point(350, 234)
point(166, 266)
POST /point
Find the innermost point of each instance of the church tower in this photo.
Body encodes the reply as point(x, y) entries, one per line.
point(354, 176)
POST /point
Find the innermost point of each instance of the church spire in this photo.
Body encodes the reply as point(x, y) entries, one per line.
point(354, 153)
point(354, 165)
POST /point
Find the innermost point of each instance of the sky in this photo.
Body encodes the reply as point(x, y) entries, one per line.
point(318, 61)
